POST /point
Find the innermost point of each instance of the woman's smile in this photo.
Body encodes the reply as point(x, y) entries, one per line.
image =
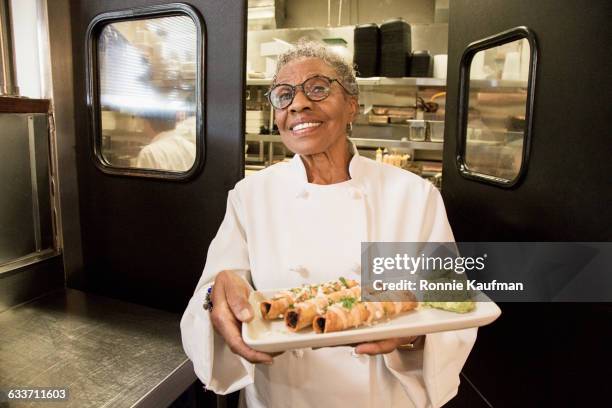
point(305, 125)
point(305, 128)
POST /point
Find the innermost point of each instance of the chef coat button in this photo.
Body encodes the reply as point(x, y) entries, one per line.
point(355, 194)
point(302, 194)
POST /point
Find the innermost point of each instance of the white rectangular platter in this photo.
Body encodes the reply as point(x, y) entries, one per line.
point(273, 336)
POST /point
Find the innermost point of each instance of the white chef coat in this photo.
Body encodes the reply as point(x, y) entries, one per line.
point(280, 231)
point(173, 150)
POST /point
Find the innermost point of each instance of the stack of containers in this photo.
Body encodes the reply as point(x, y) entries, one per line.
point(396, 45)
point(367, 50)
point(421, 64)
point(255, 119)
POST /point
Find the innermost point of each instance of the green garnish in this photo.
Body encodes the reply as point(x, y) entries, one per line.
point(457, 307)
point(341, 279)
point(348, 302)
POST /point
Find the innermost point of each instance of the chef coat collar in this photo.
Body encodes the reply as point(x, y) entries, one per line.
point(355, 168)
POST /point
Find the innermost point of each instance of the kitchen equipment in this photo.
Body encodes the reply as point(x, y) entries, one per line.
point(366, 57)
point(255, 119)
point(516, 123)
point(338, 46)
point(379, 120)
point(525, 60)
point(435, 129)
point(512, 66)
point(396, 44)
point(421, 64)
point(401, 114)
point(440, 64)
point(477, 67)
point(417, 131)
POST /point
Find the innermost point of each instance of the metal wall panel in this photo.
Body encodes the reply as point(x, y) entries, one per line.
point(39, 275)
point(25, 212)
point(16, 217)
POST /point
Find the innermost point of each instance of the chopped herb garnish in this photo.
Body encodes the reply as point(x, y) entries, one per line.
point(341, 279)
point(348, 302)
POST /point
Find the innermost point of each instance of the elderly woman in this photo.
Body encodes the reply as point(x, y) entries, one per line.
point(303, 222)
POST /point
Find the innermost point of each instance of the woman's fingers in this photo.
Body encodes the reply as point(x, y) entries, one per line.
point(378, 347)
point(237, 295)
point(229, 298)
point(234, 341)
point(228, 327)
point(383, 346)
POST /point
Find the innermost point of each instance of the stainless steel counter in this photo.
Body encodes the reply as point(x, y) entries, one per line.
point(108, 353)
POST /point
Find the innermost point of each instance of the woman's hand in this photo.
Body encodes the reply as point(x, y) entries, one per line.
point(383, 346)
point(230, 309)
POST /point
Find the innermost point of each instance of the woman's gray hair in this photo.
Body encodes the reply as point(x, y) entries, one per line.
point(311, 49)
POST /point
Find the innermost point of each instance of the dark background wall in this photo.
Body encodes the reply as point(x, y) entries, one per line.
point(541, 354)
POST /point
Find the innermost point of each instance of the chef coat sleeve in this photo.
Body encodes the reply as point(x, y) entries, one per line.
point(437, 366)
point(214, 363)
point(146, 159)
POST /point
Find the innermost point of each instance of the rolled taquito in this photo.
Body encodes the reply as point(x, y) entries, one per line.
point(276, 306)
point(350, 313)
point(302, 314)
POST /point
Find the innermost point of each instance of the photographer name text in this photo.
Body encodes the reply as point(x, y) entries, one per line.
point(424, 284)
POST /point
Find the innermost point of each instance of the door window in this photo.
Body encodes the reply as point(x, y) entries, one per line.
point(146, 90)
point(495, 114)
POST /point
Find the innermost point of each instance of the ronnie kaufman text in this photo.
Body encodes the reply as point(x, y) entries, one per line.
point(447, 285)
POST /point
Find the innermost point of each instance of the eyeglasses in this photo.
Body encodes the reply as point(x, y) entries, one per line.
point(315, 88)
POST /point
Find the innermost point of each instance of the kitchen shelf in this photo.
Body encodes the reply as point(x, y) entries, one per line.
point(254, 137)
point(496, 83)
point(412, 81)
point(405, 81)
point(374, 81)
point(259, 81)
point(363, 142)
point(398, 144)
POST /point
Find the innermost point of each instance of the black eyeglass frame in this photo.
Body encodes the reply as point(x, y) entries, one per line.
point(294, 89)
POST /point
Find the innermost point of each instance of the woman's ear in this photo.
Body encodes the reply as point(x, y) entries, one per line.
point(354, 108)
